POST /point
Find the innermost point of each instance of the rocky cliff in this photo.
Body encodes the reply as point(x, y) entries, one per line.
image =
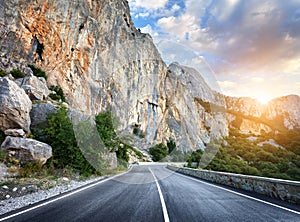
point(250, 116)
point(101, 61)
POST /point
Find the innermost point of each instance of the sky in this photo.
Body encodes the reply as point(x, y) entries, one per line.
point(241, 47)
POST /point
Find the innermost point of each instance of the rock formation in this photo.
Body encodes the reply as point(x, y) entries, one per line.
point(92, 50)
point(15, 106)
point(27, 150)
point(249, 115)
point(36, 88)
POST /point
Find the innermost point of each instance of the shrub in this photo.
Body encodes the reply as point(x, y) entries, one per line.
point(122, 152)
point(2, 73)
point(138, 132)
point(159, 152)
point(66, 153)
point(37, 71)
point(3, 156)
point(16, 73)
point(104, 123)
point(30, 169)
point(58, 95)
point(171, 145)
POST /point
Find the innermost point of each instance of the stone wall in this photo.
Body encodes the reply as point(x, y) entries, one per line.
point(280, 189)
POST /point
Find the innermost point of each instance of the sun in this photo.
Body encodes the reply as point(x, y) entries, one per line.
point(263, 99)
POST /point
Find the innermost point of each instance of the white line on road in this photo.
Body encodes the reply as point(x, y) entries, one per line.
point(162, 200)
point(61, 197)
point(240, 194)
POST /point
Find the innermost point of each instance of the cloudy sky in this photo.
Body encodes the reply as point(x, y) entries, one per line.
point(244, 47)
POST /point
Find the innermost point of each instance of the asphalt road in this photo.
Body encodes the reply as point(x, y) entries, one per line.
point(138, 196)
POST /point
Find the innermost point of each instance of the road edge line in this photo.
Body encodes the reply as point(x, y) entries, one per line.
point(162, 200)
point(237, 193)
point(62, 197)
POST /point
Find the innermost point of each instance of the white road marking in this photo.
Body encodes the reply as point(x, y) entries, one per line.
point(240, 194)
point(61, 197)
point(162, 200)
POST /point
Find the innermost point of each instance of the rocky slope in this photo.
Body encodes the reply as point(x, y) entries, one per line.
point(250, 116)
point(101, 61)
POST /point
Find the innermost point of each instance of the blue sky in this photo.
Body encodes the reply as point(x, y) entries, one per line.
point(241, 47)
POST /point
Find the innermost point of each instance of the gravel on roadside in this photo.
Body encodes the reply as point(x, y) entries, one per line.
point(14, 203)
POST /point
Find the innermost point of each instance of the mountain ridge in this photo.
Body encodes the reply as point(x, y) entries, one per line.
point(95, 54)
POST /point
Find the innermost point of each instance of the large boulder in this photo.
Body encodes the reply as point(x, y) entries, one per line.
point(39, 114)
point(27, 150)
point(15, 106)
point(36, 88)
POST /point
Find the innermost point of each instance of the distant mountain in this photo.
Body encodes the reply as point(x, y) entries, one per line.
point(249, 115)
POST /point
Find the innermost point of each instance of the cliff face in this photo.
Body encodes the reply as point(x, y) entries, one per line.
point(250, 116)
point(93, 51)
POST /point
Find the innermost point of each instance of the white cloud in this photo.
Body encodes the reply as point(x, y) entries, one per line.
point(148, 4)
point(237, 38)
point(148, 29)
point(142, 15)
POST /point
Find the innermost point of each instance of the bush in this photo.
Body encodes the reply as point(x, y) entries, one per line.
point(58, 95)
point(37, 71)
point(30, 169)
point(16, 73)
point(171, 145)
point(3, 156)
point(104, 123)
point(66, 153)
point(2, 73)
point(159, 152)
point(122, 152)
point(138, 132)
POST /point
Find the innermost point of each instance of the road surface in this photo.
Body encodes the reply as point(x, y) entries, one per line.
point(153, 193)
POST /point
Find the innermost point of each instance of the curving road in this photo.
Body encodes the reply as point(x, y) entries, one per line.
point(153, 193)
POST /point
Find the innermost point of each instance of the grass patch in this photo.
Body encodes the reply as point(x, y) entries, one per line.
point(37, 71)
point(2, 73)
point(16, 73)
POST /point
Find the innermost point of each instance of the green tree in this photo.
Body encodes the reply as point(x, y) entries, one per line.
point(159, 152)
point(61, 137)
point(105, 127)
point(58, 95)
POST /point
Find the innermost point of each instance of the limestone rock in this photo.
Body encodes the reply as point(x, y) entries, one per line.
point(36, 88)
point(15, 106)
point(26, 150)
point(283, 112)
point(14, 132)
point(40, 112)
point(3, 172)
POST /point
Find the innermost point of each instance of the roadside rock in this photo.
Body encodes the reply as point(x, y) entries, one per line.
point(35, 87)
point(3, 171)
point(40, 112)
point(14, 132)
point(15, 106)
point(26, 150)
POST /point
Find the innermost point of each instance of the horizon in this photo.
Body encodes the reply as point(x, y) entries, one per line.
point(241, 48)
